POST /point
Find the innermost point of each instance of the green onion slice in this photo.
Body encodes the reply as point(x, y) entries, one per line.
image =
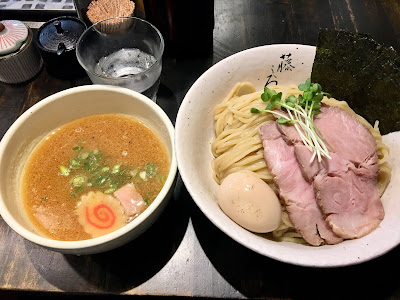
point(151, 169)
point(78, 181)
point(64, 170)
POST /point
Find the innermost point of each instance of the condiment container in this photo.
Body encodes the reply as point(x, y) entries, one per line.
point(56, 40)
point(19, 58)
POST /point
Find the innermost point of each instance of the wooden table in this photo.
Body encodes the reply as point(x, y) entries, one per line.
point(183, 253)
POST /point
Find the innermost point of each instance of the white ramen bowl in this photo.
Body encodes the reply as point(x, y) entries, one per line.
point(54, 111)
point(194, 133)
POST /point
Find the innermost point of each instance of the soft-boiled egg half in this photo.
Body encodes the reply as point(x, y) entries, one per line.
point(250, 202)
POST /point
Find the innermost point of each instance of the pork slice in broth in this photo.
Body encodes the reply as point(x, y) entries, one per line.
point(130, 199)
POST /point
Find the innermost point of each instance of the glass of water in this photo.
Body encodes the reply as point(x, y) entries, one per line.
point(123, 51)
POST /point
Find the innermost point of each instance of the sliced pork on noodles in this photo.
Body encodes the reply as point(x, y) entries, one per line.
point(297, 193)
point(349, 196)
point(343, 188)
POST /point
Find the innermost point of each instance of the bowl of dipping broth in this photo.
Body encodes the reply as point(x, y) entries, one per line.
point(87, 169)
point(221, 161)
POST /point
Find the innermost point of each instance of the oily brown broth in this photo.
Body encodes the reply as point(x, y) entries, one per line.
point(46, 193)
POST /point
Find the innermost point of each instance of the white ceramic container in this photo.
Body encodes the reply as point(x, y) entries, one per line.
point(284, 64)
point(54, 111)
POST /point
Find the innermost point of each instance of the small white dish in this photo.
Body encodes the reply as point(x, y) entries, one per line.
point(54, 111)
point(285, 64)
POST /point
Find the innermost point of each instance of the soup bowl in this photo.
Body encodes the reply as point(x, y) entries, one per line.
point(272, 64)
point(54, 111)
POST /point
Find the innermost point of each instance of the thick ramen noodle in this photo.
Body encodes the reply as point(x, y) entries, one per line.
point(237, 144)
point(71, 182)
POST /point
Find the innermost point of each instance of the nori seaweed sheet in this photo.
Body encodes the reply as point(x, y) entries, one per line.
point(383, 66)
point(340, 55)
point(355, 68)
point(380, 101)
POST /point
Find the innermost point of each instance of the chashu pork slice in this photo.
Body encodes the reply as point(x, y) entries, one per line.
point(350, 202)
point(350, 199)
point(297, 193)
point(346, 185)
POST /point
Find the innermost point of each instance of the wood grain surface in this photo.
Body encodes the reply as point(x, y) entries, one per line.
point(183, 253)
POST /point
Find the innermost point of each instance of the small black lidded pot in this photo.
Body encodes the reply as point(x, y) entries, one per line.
point(56, 40)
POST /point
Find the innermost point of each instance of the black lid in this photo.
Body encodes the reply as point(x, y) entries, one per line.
point(60, 34)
